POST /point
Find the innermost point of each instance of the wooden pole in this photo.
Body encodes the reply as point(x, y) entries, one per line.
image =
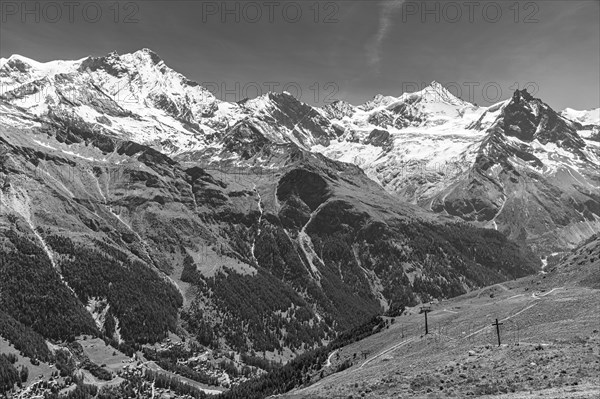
point(426, 309)
point(497, 324)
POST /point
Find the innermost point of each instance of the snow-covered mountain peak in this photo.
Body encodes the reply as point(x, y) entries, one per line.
point(17, 70)
point(436, 85)
point(144, 68)
point(22, 64)
point(269, 100)
point(264, 99)
point(133, 60)
point(135, 96)
point(584, 117)
point(436, 93)
point(282, 118)
point(146, 53)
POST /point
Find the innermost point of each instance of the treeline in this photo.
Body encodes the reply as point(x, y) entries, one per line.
point(349, 298)
point(251, 314)
point(297, 371)
point(394, 251)
point(9, 374)
point(24, 339)
point(145, 304)
point(373, 326)
point(491, 249)
point(254, 305)
point(343, 299)
point(448, 256)
point(32, 293)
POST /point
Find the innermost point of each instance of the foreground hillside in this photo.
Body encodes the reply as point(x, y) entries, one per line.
point(549, 333)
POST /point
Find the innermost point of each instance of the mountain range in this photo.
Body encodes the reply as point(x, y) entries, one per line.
point(142, 205)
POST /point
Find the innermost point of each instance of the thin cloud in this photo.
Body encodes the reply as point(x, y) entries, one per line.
point(387, 10)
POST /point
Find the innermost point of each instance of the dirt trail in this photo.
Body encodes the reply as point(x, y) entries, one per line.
point(328, 364)
point(393, 348)
point(491, 286)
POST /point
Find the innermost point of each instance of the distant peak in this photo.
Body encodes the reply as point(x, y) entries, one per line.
point(437, 87)
point(521, 94)
point(277, 96)
point(339, 102)
point(436, 92)
point(111, 63)
point(23, 64)
point(116, 64)
point(19, 59)
point(146, 52)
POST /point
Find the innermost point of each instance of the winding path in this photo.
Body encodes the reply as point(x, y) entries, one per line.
point(393, 348)
point(328, 364)
point(495, 285)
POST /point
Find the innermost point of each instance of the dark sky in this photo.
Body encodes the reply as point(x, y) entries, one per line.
point(347, 50)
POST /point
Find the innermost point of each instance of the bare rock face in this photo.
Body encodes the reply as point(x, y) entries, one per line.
point(378, 138)
point(530, 119)
point(339, 109)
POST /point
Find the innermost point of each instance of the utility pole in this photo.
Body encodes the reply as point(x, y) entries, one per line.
point(426, 309)
point(497, 329)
